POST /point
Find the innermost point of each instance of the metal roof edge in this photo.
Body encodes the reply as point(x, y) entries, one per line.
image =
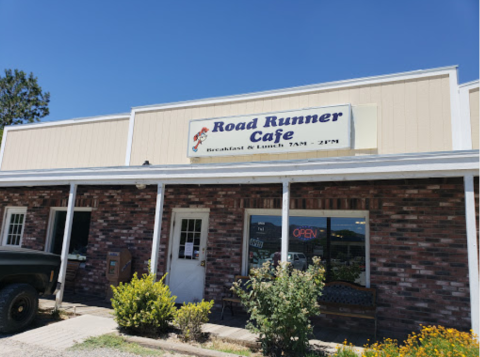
point(246, 96)
point(296, 89)
point(70, 121)
point(468, 84)
point(455, 154)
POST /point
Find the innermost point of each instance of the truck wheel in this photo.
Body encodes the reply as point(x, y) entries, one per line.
point(18, 307)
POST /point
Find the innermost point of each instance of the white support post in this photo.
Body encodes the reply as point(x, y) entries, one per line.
point(66, 244)
point(472, 249)
point(285, 219)
point(157, 228)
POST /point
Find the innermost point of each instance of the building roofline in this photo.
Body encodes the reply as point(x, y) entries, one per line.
point(247, 96)
point(302, 89)
point(472, 84)
point(80, 120)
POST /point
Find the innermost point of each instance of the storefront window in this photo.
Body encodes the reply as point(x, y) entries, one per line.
point(338, 241)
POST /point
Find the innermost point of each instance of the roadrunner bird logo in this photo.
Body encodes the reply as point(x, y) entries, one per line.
point(200, 137)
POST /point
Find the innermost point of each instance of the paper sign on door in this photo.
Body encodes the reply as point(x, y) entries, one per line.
point(188, 249)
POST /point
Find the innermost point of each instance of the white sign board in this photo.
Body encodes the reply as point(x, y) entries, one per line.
point(188, 249)
point(312, 129)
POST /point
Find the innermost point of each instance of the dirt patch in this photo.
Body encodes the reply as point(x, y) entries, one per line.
point(208, 341)
point(215, 343)
point(46, 316)
point(218, 344)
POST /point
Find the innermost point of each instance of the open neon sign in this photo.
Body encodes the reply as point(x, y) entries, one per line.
point(305, 233)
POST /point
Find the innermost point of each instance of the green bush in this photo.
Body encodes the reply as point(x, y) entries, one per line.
point(143, 306)
point(280, 306)
point(189, 319)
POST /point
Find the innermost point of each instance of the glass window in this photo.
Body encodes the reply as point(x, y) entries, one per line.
point(347, 250)
point(79, 237)
point(265, 240)
point(338, 241)
point(189, 247)
point(14, 226)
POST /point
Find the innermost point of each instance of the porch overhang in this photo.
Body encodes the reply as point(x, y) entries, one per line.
point(461, 163)
point(368, 167)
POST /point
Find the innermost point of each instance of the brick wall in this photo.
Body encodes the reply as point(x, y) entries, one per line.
point(122, 217)
point(417, 232)
point(418, 247)
point(38, 201)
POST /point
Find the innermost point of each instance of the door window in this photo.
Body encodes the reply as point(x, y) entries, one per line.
point(189, 247)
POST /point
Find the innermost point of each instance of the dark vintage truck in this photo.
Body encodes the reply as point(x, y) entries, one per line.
point(24, 275)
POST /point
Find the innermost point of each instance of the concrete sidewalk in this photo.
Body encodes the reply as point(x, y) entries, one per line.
point(78, 307)
point(232, 333)
point(232, 329)
point(64, 334)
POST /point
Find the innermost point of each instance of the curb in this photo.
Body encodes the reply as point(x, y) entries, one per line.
point(175, 347)
point(184, 348)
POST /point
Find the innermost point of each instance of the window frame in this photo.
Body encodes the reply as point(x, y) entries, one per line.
point(11, 210)
point(307, 213)
point(51, 223)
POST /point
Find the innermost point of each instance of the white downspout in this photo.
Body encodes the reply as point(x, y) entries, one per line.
point(157, 228)
point(466, 125)
point(456, 120)
point(131, 127)
point(472, 250)
point(285, 219)
point(66, 244)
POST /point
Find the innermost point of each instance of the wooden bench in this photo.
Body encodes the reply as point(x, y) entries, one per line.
point(72, 271)
point(339, 295)
point(231, 296)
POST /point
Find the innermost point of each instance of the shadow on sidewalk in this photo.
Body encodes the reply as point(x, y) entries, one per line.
point(92, 305)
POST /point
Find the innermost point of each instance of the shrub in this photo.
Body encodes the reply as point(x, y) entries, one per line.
point(189, 319)
point(280, 306)
point(389, 348)
point(440, 341)
point(432, 341)
point(143, 305)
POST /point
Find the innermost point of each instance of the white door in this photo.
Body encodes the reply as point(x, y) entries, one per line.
point(187, 259)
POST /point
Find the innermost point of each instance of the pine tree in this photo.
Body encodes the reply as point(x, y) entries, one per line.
point(21, 99)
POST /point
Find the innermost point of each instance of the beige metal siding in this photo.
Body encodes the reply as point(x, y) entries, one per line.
point(90, 144)
point(474, 114)
point(413, 116)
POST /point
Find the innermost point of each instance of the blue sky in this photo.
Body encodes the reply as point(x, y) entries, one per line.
point(103, 57)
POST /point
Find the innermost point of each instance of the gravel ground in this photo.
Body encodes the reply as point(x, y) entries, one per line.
point(12, 348)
